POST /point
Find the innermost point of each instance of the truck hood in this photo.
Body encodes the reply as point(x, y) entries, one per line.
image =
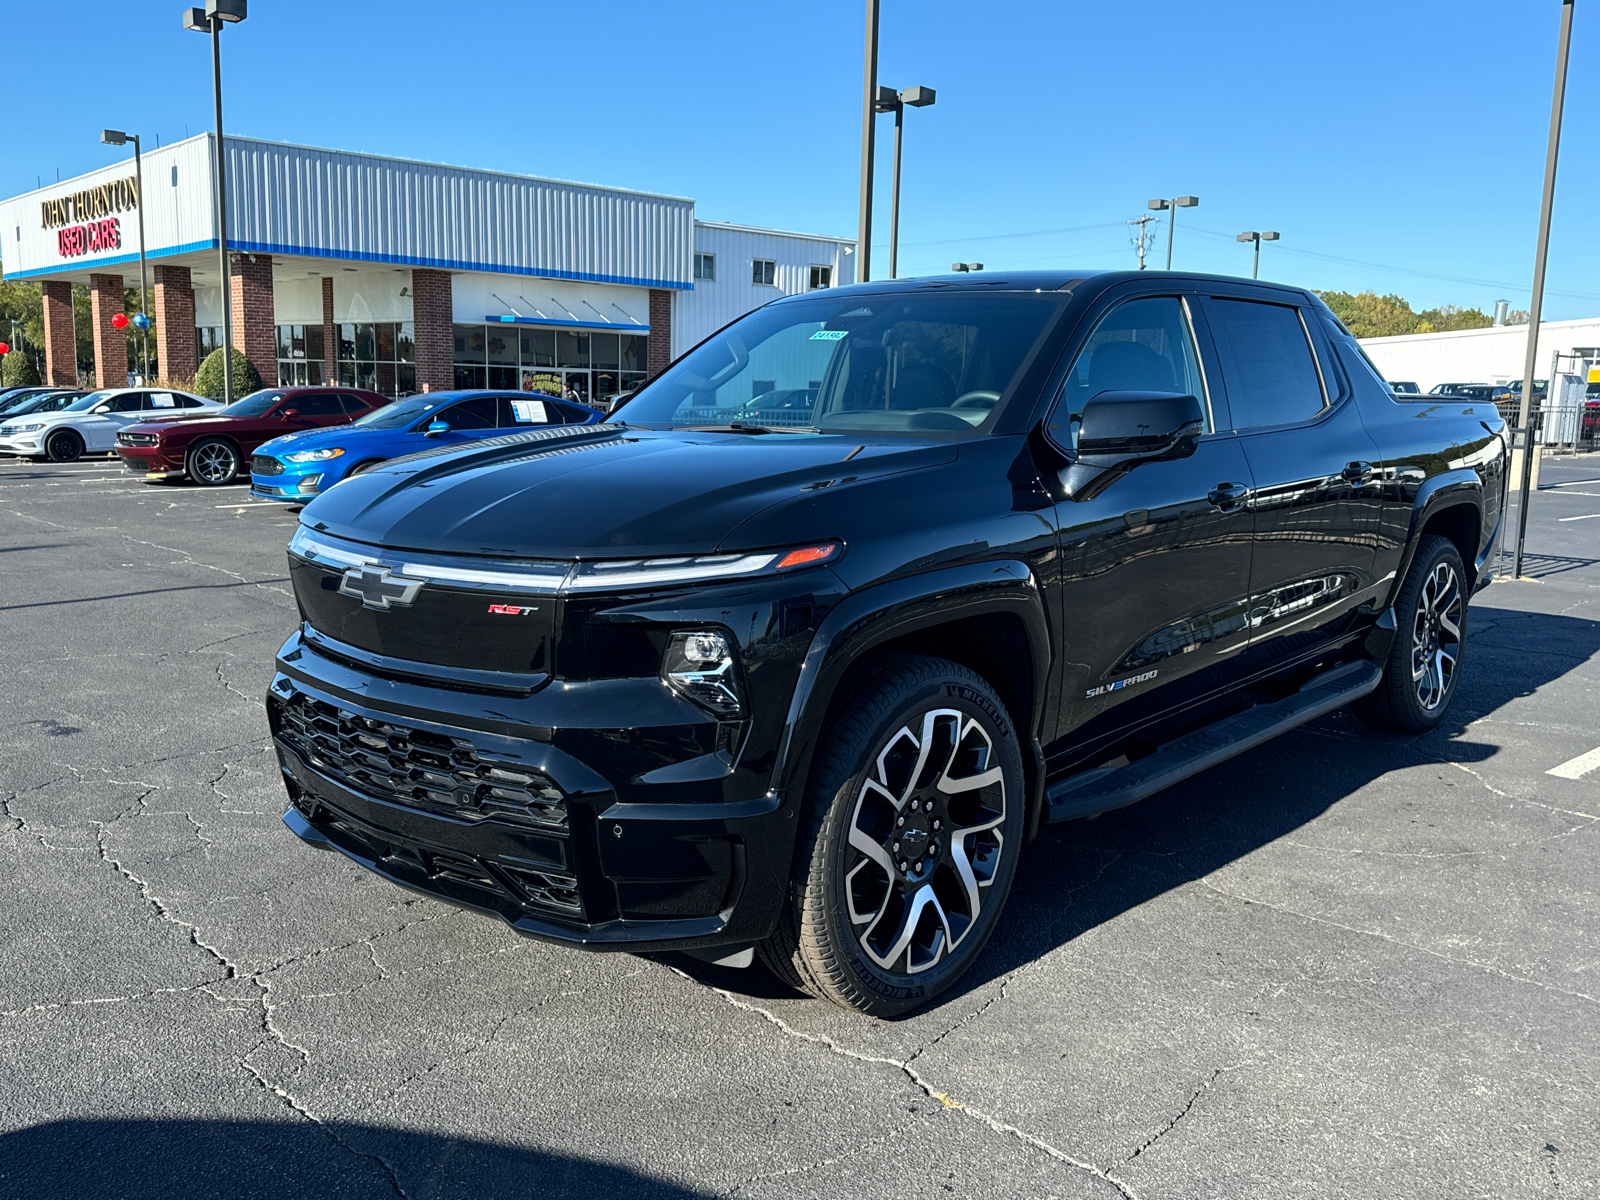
point(600, 491)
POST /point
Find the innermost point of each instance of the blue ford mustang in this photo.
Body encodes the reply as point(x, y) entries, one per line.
point(297, 466)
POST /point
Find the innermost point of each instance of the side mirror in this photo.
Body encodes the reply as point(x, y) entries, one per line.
point(435, 428)
point(1128, 426)
point(100, 409)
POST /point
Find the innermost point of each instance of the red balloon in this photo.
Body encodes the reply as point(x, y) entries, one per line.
point(119, 320)
point(4, 349)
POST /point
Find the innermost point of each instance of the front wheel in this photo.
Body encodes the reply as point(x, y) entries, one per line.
point(64, 447)
point(213, 463)
point(1430, 641)
point(913, 823)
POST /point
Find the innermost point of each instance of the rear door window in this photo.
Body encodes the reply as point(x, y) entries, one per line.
point(524, 414)
point(1267, 361)
point(161, 400)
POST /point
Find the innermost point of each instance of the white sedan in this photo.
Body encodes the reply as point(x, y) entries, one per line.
point(89, 424)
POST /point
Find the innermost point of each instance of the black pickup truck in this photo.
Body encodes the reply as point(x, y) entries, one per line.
point(796, 652)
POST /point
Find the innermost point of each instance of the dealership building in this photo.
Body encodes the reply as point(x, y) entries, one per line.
point(395, 275)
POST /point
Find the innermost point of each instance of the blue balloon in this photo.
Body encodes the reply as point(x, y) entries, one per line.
point(141, 321)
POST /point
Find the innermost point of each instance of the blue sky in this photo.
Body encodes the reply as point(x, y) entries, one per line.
point(1397, 146)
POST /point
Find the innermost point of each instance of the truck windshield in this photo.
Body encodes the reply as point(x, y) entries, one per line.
point(898, 363)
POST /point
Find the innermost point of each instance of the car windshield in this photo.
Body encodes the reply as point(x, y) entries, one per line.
point(897, 363)
point(401, 412)
point(253, 405)
point(84, 403)
point(39, 402)
point(12, 403)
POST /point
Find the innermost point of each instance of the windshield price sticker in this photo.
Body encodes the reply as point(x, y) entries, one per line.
point(828, 335)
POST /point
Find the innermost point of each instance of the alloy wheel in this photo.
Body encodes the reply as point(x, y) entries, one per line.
point(214, 463)
point(1436, 636)
point(925, 841)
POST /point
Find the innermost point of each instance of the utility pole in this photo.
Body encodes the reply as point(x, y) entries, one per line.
point(1541, 254)
point(1142, 236)
point(869, 99)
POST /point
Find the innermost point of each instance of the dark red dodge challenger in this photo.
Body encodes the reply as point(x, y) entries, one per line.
point(213, 449)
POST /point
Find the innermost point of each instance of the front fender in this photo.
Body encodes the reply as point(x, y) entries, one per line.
point(879, 614)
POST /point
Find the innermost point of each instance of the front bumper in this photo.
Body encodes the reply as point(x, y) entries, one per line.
point(289, 487)
point(530, 808)
point(23, 444)
point(148, 462)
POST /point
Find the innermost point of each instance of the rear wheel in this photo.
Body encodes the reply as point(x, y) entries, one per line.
point(913, 825)
point(1424, 664)
point(213, 462)
point(64, 447)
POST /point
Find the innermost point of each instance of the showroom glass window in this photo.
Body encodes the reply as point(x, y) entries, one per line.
point(299, 355)
point(380, 356)
point(577, 364)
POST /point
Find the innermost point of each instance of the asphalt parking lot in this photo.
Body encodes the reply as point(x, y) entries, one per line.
point(1341, 965)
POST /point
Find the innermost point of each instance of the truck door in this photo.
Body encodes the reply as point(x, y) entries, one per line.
point(1155, 564)
point(1318, 487)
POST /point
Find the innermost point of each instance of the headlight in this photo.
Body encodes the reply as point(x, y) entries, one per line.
point(34, 428)
point(312, 456)
point(700, 667)
point(651, 572)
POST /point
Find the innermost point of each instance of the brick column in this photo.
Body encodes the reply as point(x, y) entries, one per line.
point(250, 282)
point(431, 311)
point(330, 334)
point(110, 343)
point(174, 318)
point(60, 341)
point(660, 353)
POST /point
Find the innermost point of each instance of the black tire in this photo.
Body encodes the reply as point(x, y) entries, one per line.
point(1430, 641)
point(857, 927)
point(361, 468)
point(64, 446)
point(214, 462)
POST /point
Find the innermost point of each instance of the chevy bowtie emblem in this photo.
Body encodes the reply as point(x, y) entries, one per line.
point(376, 588)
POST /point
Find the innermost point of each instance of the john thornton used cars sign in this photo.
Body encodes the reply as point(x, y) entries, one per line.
point(92, 206)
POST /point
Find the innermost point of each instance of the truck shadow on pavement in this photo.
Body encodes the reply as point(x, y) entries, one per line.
point(141, 1159)
point(1080, 874)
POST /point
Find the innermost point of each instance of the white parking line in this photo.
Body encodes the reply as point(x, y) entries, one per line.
point(1571, 483)
point(1577, 768)
point(1585, 517)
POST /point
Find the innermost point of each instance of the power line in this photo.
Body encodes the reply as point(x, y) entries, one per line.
point(995, 237)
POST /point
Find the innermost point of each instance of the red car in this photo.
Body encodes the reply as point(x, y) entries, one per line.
point(212, 449)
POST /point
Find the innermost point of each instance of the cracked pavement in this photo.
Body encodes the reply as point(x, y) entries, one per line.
point(1343, 964)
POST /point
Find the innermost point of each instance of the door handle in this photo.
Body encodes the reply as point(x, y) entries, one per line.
point(1357, 472)
point(1228, 496)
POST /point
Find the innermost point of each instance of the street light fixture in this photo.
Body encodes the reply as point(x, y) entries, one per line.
point(210, 19)
point(890, 100)
point(1171, 207)
point(1250, 235)
point(115, 137)
point(966, 266)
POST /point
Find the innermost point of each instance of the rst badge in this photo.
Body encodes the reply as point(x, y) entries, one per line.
point(378, 589)
point(513, 610)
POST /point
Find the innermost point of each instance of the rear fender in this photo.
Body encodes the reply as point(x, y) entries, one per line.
point(1448, 489)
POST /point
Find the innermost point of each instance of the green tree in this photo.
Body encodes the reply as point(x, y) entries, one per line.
point(208, 379)
point(22, 319)
point(1367, 314)
point(18, 371)
point(1448, 316)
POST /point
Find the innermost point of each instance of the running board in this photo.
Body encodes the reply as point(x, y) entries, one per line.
point(1096, 791)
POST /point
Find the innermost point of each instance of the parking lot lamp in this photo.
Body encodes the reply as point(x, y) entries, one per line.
point(1250, 235)
point(890, 100)
point(1541, 254)
point(115, 137)
point(869, 106)
point(1171, 207)
point(210, 20)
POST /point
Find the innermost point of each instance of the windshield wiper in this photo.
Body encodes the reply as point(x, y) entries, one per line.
point(747, 427)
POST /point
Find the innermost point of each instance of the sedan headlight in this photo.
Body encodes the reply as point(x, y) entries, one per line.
point(700, 666)
point(312, 456)
point(34, 428)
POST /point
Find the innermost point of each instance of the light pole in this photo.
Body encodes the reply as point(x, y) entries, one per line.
point(115, 137)
point(1250, 235)
point(890, 100)
point(210, 20)
point(1525, 413)
point(1171, 207)
point(869, 99)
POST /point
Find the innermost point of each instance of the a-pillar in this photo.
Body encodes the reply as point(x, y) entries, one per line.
point(174, 317)
point(110, 343)
point(60, 339)
point(431, 311)
point(660, 352)
point(330, 334)
point(254, 320)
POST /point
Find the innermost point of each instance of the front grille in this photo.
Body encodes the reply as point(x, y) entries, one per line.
point(136, 439)
point(137, 466)
point(265, 464)
point(415, 767)
point(262, 489)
